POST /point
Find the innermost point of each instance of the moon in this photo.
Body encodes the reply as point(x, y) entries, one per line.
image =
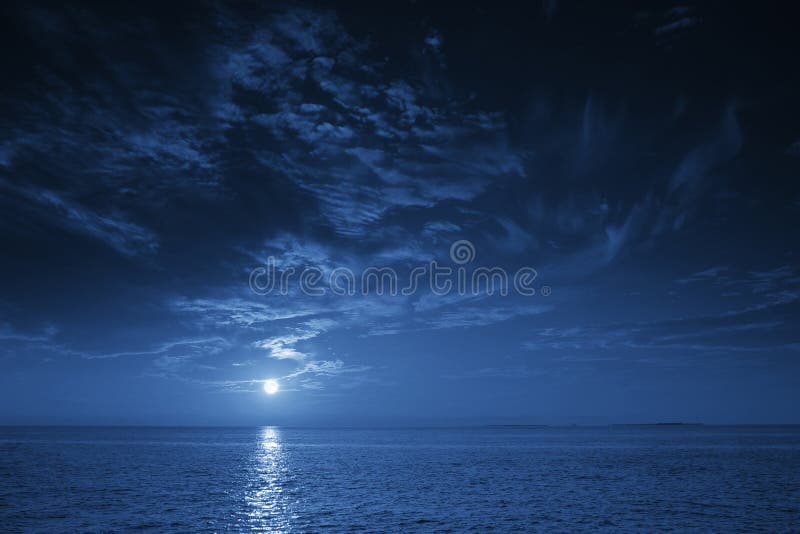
point(271, 386)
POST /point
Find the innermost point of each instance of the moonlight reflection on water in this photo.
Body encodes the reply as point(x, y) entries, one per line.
point(267, 502)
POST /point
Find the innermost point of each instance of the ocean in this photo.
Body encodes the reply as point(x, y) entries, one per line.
point(479, 479)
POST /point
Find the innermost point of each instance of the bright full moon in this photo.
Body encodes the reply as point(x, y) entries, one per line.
point(271, 386)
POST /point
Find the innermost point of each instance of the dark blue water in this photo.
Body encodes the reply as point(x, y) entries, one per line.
point(478, 479)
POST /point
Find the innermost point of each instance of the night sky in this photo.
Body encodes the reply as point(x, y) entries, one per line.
point(643, 159)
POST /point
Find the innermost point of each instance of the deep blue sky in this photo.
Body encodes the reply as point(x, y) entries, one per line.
point(643, 160)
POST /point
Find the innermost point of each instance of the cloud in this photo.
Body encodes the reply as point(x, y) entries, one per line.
point(475, 316)
point(284, 347)
point(454, 311)
point(180, 349)
point(42, 336)
point(235, 311)
point(697, 163)
point(152, 137)
point(514, 239)
point(674, 21)
point(674, 26)
point(777, 283)
point(434, 42)
point(692, 179)
point(712, 273)
point(362, 145)
point(757, 331)
point(325, 367)
point(113, 229)
point(310, 376)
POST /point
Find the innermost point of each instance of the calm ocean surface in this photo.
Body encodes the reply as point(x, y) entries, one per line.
point(55, 479)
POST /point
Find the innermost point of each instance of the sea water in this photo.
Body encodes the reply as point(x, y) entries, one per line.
point(480, 479)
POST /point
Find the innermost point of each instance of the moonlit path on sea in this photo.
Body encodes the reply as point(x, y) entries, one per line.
point(279, 480)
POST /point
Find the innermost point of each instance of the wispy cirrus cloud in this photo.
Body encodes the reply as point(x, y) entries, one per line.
point(753, 331)
point(175, 349)
point(285, 347)
point(9, 333)
point(778, 283)
point(237, 311)
point(114, 229)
